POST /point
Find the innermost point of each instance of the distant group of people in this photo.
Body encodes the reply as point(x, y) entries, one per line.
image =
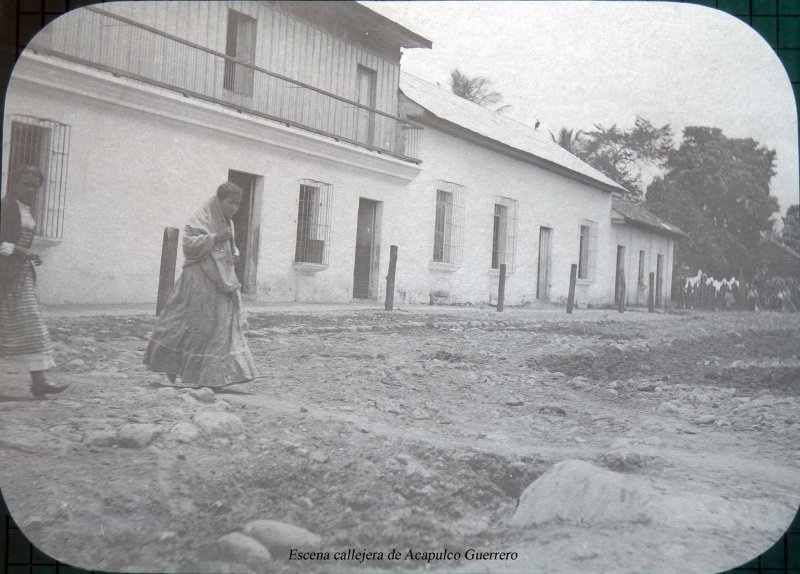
point(762, 293)
point(198, 340)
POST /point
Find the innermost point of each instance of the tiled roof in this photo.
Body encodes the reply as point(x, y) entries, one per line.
point(637, 215)
point(495, 126)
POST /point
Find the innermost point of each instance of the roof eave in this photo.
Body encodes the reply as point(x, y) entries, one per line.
point(433, 120)
point(406, 37)
point(675, 233)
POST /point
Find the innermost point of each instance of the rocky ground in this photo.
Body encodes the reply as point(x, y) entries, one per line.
point(584, 443)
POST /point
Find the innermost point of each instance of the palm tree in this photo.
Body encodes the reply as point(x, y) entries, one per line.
point(475, 90)
point(570, 140)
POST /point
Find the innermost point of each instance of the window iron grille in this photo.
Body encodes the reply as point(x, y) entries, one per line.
point(313, 222)
point(448, 235)
point(504, 232)
point(43, 143)
point(587, 251)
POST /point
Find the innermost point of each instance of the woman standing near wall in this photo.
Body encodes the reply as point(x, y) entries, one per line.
point(23, 335)
point(199, 337)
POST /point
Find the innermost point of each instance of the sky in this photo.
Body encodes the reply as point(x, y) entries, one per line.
point(576, 64)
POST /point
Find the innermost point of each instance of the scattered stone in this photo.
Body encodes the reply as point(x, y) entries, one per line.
point(668, 408)
point(623, 460)
point(75, 364)
point(237, 547)
point(580, 382)
point(420, 414)
point(166, 393)
point(515, 403)
point(279, 537)
point(558, 376)
point(647, 386)
point(204, 395)
point(137, 435)
point(402, 458)
point(584, 554)
point(184, 432)
point(168, 535)
point(319, 456)
point(100, 437)
point(218, 424)
point(705, 420)
point(553, 409)
point(303, 410)
point(32, 523)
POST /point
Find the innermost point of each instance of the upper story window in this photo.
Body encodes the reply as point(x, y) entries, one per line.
point(587, 251)
point(313, 222)
point(503, 233)
point(448, 232)
point(45, 144)
point(366, 83)
point(240, 43)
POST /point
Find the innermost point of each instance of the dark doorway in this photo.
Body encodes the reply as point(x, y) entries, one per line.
point(620, 268)
point(659, 280)
point(543, 280)
point(246, 233)
point(364, 268)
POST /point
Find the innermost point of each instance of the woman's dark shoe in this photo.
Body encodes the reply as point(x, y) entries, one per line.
point(41, 387)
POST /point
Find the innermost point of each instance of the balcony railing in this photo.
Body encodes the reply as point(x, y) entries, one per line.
point(126, 48)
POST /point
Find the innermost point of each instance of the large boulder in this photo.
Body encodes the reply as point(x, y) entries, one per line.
point(581, 493)
point(280, 537)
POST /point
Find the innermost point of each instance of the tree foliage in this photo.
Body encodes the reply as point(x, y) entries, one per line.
point(790, 234)
point(621, 154)
point(716, 189)
point(570, 140)
point(476, 89)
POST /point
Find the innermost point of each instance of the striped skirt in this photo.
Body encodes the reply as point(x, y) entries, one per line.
point(23, 335)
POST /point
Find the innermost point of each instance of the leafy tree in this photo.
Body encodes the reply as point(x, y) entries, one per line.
point(716, 189)
point(790, 234)
point(622, 154)
point(476, 90)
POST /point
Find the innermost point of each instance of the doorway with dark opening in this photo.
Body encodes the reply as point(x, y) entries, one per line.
point(246, 228)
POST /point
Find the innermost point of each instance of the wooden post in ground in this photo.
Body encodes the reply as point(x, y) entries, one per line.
point(573, 277)
point(390, 278)
point(169, 258)
point(622, 290)
point(501, 288)
point(651, 296)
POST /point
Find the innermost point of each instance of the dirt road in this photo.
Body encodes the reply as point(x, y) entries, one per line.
point(646, 442)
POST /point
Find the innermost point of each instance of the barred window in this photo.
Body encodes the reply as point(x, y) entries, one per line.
point(587, 251)
point(44, 144)
point(448, 232)
point(503, 234)
point(313, 222)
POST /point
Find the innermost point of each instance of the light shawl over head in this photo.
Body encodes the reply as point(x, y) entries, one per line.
point(199, 246)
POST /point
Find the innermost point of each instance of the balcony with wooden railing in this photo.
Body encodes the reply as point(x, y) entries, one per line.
point(123, 47)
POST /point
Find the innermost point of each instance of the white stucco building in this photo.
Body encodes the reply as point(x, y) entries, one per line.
point(138, 111)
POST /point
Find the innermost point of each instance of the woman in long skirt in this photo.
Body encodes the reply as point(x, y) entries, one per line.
point(23, 335)
point(198, 340)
